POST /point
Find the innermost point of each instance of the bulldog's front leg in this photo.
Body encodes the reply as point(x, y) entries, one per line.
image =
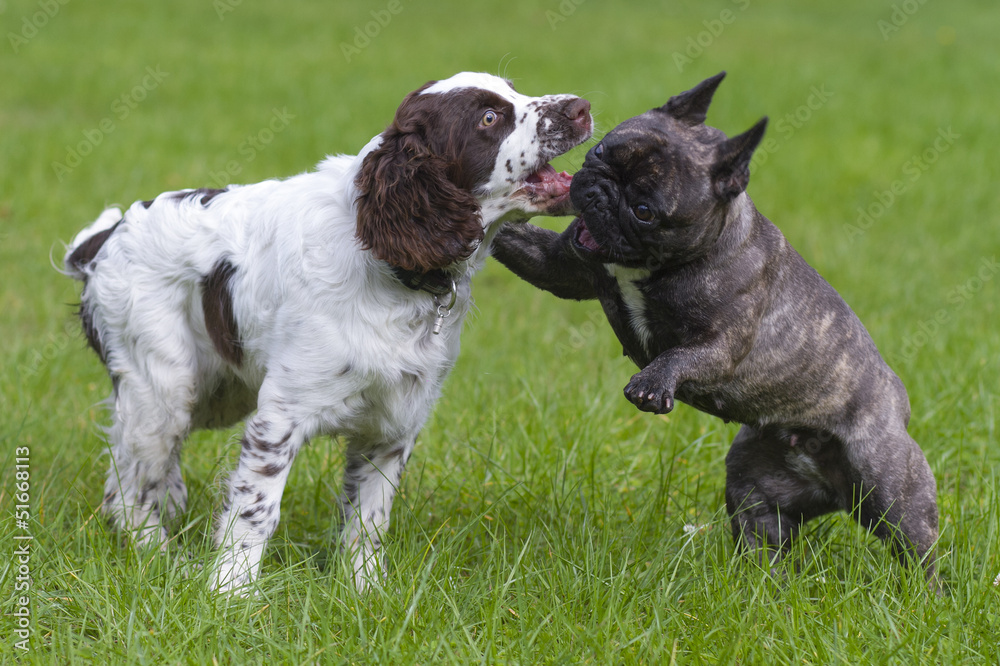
point(544, 259)
point(652, 389)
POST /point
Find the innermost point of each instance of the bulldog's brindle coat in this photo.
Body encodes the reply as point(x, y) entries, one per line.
point(720, 312)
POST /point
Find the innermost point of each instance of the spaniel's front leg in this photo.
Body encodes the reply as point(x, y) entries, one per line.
point(370, 482)
point(253, 505)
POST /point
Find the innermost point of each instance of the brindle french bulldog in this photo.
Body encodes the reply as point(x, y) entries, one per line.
point(720, 312)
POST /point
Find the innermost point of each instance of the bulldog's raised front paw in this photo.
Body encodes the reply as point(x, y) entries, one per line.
point(649, 395)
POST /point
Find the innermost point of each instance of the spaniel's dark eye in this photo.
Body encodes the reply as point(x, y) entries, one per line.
point(599, 150)
point(489, 118)
point(643, 212)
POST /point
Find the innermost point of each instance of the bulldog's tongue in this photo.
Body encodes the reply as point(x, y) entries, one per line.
point(584, 238)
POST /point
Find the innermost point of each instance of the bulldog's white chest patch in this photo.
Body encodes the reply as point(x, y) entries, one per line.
point(632, 297)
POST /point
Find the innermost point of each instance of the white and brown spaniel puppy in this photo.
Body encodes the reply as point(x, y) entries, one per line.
point(330, 303)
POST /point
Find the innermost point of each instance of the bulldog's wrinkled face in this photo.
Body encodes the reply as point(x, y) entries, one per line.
point(655, 191)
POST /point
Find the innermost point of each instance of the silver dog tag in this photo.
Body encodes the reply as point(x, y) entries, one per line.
point(444, 311)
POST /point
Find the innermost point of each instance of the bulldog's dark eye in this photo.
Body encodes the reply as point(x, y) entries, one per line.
point(599, 150)
point(489, 118)
point(642, 212)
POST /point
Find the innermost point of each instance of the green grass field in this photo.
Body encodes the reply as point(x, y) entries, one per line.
point(542, 518)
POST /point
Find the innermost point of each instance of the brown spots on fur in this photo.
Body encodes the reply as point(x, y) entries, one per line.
point(247, 514)
point(259, 443)
point(89, 330)
point(88, 249)
point(217, 305)
point(82, 257)
point(206, 194)
point(271, 469)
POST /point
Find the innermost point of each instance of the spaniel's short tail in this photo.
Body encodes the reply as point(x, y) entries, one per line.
point(81, 253)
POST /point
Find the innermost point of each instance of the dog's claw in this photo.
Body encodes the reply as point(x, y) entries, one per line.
point(646, 399)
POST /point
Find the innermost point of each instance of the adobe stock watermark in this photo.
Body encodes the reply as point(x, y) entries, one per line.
point(565, 9)
point(252, 145)
point(912, 170)
point(54, 345)
point(223, 7)
point(32, 24)
point(580, 336)
point(697, 44)
point(789, 124)
point(900, 15)
point(363, 35)
point(957, 298)
point(21, 560)
point(121, 108)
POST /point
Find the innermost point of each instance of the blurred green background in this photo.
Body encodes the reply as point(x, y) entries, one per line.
point(581, 530)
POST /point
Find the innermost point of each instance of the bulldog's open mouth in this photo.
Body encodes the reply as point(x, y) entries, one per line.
point(548, 189)
point(584, 243)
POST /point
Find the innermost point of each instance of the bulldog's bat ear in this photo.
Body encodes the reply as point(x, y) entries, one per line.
point(691, 107)
point(731, 170)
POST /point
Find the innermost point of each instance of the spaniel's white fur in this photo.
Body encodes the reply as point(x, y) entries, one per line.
point(290, 298)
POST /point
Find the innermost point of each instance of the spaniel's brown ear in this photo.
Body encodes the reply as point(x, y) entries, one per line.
point(409, 213)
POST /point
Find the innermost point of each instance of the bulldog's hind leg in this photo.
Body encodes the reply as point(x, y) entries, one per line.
point(896, 498)
point(779, 478)
point(775, 481)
